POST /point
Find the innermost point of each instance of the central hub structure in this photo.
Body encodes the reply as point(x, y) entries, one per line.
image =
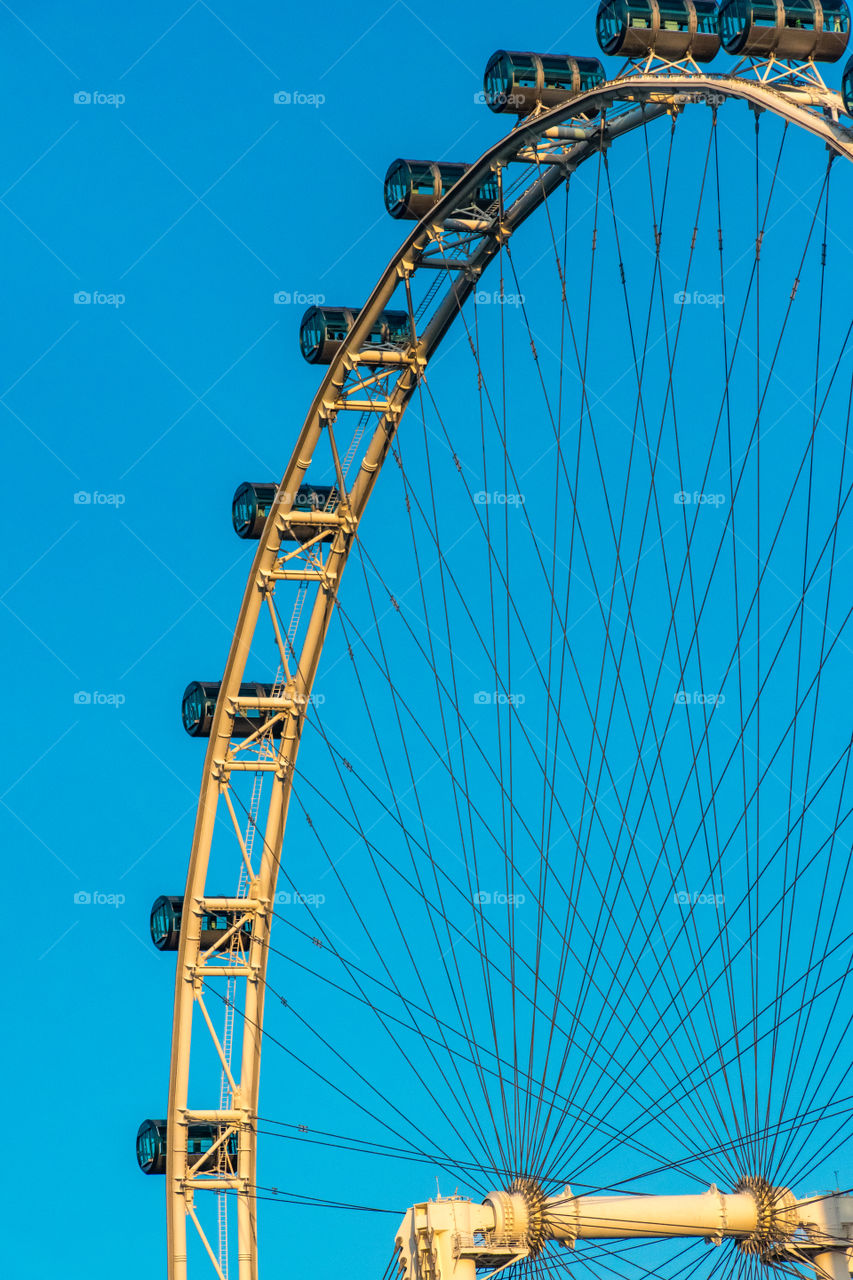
point(453, 1239)
point(520, 1214)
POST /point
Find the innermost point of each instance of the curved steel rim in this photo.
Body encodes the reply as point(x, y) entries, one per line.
point(653, 95)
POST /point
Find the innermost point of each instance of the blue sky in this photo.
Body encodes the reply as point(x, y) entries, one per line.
point(148, 166)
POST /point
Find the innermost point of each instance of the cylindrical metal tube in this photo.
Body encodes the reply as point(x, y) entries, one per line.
point(619, 1217)
point(831, 1263)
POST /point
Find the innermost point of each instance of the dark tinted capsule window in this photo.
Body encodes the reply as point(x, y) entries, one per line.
point(498, 77)
point(836, 16)
point(488, 190)
point(557, 73)
point(193, 708)
point(640, 15)
point(398, 328)
point(610, 21)
point(312, 335)
point(674, 17)
point(398, 184)
point(422, 180)
point(525, 72)
point(148, 1144)
point(800, 15)
point(733, 18)
point(706, 17)
point(591, 72)
point(161, 921)
point(244, 509)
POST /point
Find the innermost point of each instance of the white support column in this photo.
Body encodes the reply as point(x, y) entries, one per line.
point(831, 1264)
point(828, 1220)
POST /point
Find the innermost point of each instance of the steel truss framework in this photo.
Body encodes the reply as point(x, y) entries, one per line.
point(375, 386)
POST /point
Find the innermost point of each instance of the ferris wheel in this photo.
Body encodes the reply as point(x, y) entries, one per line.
point(560, 877)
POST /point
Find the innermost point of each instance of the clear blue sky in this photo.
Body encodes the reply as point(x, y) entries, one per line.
point(147, 164)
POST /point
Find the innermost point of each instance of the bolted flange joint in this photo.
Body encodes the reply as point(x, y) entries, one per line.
point(777, 1217)
point(520, 1214)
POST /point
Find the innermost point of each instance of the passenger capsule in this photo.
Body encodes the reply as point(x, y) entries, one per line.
point(151, 1144)
point(166, 924)
point(199, 703)
point(802, 31)
point(414, 187)
point(847, 87)
point(521, 82)
point(672, 29)
point(252, 503)
point(323, 329)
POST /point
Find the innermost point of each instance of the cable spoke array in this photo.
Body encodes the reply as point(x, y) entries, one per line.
point(562, 889)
